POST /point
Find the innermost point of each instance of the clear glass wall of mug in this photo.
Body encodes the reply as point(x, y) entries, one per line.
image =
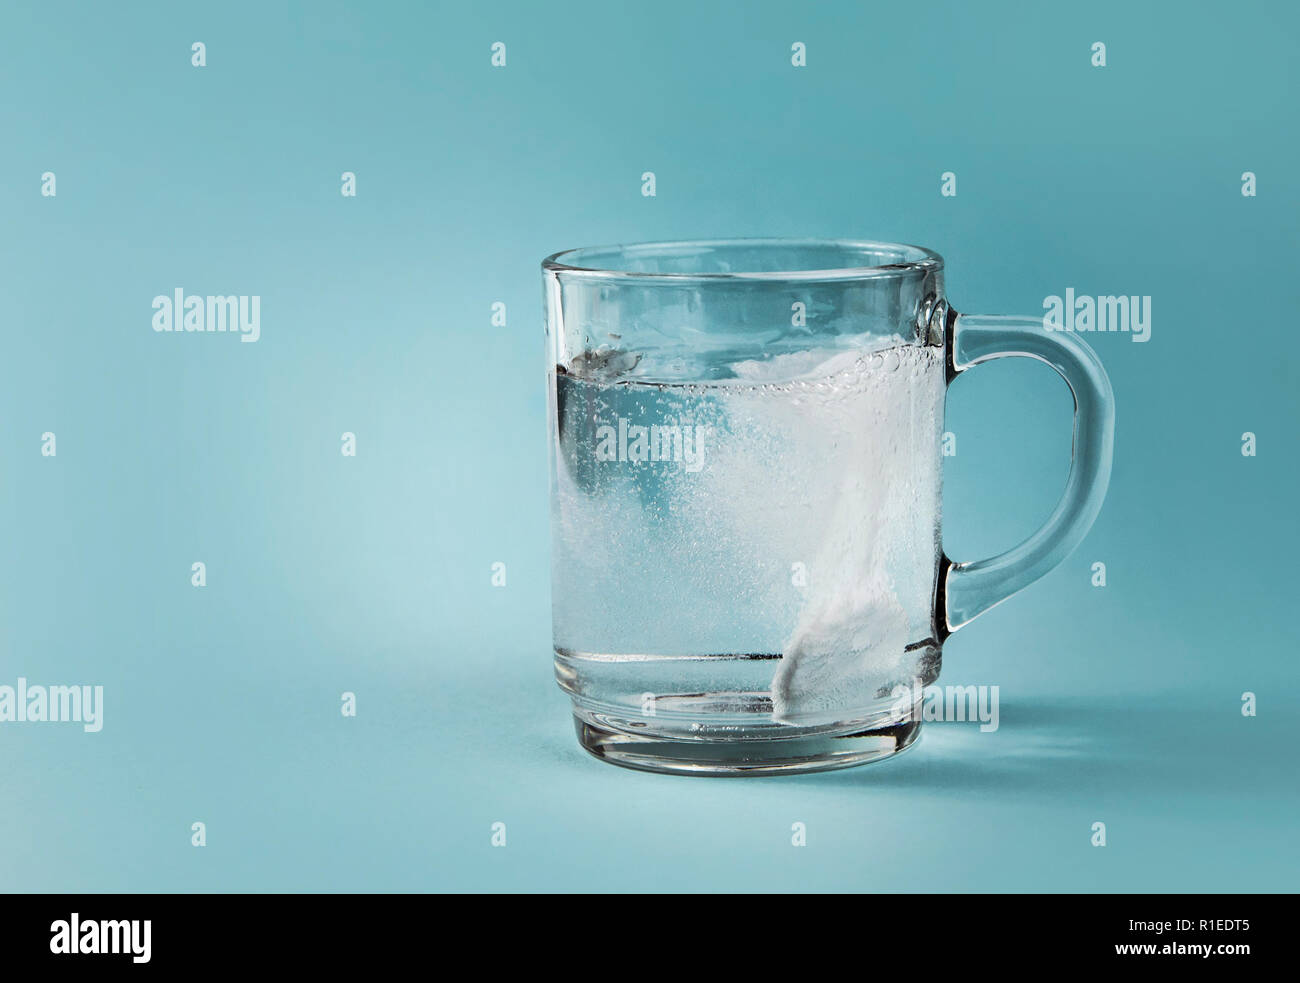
point(747, 567)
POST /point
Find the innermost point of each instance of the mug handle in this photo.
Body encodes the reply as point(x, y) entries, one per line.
point(969, 589)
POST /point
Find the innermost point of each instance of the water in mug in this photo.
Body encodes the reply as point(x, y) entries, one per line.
point(762, 541)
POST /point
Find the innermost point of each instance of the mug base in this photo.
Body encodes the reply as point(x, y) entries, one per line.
point(628, 743)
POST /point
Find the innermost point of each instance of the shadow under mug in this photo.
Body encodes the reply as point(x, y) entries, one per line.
point(747, 566)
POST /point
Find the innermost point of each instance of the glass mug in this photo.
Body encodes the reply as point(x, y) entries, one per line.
point(747, 568)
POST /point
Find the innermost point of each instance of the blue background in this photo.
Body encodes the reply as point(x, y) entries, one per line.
point(372, 574)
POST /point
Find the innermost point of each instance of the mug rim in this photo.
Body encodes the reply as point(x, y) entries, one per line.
point(915, 259)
